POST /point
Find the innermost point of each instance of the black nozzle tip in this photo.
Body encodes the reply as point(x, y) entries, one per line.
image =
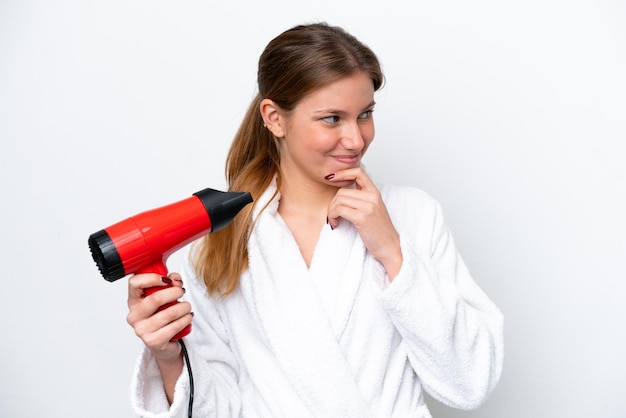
point(222, 207)
point(106, 256)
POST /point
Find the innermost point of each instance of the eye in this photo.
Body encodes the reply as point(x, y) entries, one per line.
point(366, 115)
point(331, 119)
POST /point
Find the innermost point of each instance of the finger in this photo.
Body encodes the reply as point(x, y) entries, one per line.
point(142, 285)
point(170, 314)
point(355, 214)
point(138, 282)
point(356, 175)
point(148, 318)
point(163, 319)
point(148, 306)
point(160, 337)
point(354, 197)
point(363, 202)
point(177, 280)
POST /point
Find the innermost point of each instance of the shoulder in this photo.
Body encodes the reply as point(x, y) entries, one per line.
point(405, 197)
point(415, 213)
point(411, 208)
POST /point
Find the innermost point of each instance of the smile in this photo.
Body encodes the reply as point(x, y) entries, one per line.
point(347, 159)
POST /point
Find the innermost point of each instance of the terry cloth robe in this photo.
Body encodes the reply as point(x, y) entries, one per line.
point(337, 339)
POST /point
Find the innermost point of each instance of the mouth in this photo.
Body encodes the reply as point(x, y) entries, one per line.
point(348, 159)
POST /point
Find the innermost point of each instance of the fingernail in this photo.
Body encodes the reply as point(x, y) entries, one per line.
point(192, 314)
point(331, 226)
point(330, 176)
point(327, 220)
point(166, 280)
point(178, 279)
point(184, 290)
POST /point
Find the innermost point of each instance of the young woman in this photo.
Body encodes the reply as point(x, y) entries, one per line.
point(331, 295)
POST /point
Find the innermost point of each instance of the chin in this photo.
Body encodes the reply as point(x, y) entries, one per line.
point(344, 184)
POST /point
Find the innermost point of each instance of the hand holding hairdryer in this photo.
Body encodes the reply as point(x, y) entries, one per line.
point(142, 243)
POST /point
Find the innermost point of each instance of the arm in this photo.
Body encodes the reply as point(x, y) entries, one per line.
point(452, 331)
point(214, 366)
point(156, 329)
point(363, 206)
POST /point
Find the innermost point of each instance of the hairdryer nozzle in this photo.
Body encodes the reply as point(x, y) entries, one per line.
point(106, 256)
point(222, 206)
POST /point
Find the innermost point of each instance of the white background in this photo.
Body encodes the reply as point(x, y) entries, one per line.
point(511, 113)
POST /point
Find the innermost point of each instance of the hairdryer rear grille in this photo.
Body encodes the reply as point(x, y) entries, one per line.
point(106, 256)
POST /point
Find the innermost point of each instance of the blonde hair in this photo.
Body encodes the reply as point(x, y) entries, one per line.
point(293, 64)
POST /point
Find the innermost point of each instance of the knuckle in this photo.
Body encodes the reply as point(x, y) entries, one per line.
point(170, 314)
point(159, 298)
point(150, 340)
point(140, 331)
point(183, 309)
point(133, 317)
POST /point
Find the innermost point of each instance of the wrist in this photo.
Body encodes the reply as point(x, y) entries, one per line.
point(392, 267)
point(169, 359)
point(171, 368)
point(392, 261)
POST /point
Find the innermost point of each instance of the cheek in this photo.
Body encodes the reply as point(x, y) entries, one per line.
point(322, 141)
point(368, 137)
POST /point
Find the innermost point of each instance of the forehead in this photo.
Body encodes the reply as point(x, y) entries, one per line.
point(354, 92)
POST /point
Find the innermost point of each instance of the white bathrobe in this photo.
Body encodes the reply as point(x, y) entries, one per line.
point(338, 339)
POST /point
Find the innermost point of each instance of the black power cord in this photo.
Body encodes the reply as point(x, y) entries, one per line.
point(188, 363)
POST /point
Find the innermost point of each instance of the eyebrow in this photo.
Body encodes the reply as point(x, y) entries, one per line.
point(341, 112)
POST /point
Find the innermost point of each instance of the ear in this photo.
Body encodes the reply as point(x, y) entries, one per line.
point(270, 112)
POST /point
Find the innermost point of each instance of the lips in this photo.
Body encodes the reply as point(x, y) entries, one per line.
point(348, 159)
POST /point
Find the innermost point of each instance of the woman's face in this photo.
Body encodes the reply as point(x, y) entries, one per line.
point(329, 129)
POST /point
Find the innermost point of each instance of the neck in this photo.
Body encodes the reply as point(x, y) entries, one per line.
point(305, 198)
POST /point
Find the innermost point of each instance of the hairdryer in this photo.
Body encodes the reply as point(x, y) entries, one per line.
point(142, 243)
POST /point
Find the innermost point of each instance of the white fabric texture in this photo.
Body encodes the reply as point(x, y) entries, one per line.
point(337, 339)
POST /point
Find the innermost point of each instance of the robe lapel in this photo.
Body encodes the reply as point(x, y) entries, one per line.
point(293, 319)
point(336, 271)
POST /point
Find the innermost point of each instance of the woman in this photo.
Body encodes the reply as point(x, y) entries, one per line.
point(331, 295)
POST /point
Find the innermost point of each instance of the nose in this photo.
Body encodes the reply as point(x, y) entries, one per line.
point(352, 138)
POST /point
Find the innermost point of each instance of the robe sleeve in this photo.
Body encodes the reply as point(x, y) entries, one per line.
point(452, 332)
point(213, 365)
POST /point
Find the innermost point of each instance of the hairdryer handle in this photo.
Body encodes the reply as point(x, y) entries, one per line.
point(161, 270)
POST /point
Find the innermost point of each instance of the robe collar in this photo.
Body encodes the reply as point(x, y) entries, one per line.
point(303, 325)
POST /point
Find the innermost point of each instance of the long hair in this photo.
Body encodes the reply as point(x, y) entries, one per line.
point(293, 64)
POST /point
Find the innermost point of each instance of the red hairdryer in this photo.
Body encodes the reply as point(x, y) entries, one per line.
point(142, 243)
